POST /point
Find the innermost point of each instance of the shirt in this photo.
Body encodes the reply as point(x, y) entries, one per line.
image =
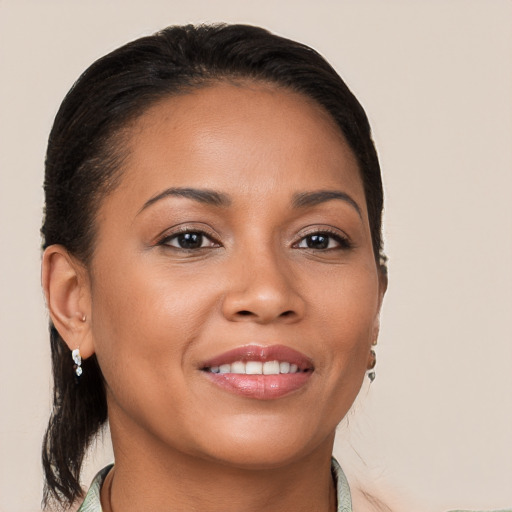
point(92, 502)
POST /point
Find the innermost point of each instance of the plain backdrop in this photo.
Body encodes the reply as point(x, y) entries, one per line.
point(436, 80)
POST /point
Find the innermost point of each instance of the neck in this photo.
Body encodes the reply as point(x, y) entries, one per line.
point(149, 476)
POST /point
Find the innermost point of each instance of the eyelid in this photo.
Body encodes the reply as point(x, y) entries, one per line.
point(342, 238)
point(175, 231)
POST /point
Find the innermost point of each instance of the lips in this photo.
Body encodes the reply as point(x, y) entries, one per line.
point(260, 372)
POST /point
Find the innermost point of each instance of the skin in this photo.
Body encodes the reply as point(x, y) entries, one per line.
point(155, 312)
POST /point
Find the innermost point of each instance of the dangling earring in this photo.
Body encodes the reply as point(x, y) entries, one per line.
point(371, 365)
point(77, 359)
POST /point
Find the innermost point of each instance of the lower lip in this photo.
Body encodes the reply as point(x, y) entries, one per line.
point(260, 387)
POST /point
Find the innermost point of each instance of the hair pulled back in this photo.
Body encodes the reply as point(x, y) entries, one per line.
point(84, 162)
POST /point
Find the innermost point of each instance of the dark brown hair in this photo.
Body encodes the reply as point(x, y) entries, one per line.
point(84, 162)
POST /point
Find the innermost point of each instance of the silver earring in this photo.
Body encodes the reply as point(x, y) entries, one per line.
point(371, 365)
point(77, 359)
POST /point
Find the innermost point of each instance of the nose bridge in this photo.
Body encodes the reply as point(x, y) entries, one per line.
point(263, 288)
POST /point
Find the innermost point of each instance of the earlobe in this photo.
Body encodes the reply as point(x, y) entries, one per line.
point(66, 289)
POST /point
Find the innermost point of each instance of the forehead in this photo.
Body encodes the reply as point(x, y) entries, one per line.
point(241, 138)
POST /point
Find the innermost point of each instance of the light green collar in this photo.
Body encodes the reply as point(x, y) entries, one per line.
point(92, 501)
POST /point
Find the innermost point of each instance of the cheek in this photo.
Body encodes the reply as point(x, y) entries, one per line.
point(346, 314)
point(143, 321)
point(346, 307)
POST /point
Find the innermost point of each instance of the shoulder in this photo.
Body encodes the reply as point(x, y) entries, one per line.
point(355, 499)
point(92, 502)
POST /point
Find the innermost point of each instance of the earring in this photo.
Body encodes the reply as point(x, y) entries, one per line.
point(371, 365)
point(77, 359)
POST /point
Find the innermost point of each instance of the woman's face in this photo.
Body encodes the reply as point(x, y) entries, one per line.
point(236, 246)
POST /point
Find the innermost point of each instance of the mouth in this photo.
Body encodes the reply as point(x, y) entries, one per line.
point(257, 368)
point(260, 372)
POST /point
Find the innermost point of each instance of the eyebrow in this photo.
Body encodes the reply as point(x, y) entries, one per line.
point(214, 198)
point(205, 196)
point(307, 199)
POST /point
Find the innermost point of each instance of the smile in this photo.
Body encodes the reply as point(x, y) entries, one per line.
point(260, 372)
point(257, 368)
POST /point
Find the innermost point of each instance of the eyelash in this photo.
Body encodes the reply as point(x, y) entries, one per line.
point(165, 241)
point(342, 242)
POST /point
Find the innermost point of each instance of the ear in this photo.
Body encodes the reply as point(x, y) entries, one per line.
point(383, 286)
point(66, 287)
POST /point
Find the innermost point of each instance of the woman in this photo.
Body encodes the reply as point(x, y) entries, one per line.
point(213, 272)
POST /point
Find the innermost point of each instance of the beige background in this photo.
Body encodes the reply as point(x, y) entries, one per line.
point(436, 80)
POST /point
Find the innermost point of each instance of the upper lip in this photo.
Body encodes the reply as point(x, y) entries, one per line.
point(261, 353)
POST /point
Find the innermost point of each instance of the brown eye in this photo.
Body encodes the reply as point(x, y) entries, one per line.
point(317, 241)
point(323, 241)
point(189, 240)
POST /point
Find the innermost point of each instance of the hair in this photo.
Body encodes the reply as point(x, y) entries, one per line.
point(84, 163)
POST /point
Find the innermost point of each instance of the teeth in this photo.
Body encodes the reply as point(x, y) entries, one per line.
point(238, 367)
point(256, 368)
point(284, 367)
point(253, 368)
point(271, 368)
point(225, 368)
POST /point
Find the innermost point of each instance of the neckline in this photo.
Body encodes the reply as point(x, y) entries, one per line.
point(92, 501)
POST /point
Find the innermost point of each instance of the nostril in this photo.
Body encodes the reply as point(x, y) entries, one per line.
point(287, 313)
point(244, 313)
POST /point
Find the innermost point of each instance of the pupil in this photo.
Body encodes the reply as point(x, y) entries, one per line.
point(190, 240)
point(318, 242)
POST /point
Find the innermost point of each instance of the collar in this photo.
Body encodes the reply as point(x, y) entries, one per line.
point(92, 501)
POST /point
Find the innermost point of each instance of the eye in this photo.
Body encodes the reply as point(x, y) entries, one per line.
point(322, 241)
point(189, 240)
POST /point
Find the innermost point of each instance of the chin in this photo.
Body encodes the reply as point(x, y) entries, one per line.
point(259, 459)
point(265, 446)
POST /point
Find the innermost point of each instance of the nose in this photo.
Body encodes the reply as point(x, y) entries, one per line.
point(262, 290)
